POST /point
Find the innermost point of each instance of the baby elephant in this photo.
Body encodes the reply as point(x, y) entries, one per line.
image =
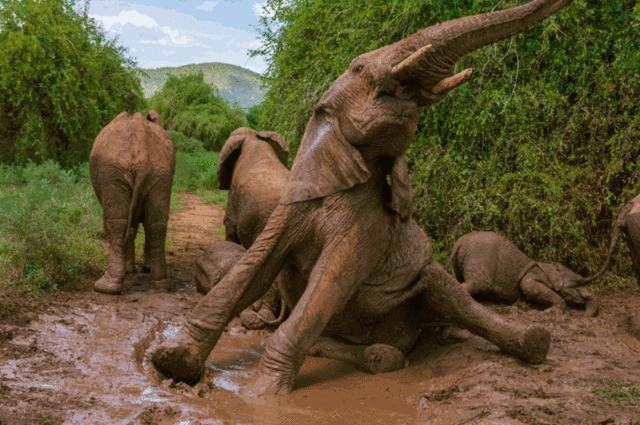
point(487, 263)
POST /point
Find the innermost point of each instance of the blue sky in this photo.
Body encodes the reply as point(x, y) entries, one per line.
point(179, 32)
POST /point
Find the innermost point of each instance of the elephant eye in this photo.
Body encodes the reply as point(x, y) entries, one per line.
point(358, 68)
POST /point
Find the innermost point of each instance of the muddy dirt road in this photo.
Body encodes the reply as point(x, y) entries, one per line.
point(83, 358)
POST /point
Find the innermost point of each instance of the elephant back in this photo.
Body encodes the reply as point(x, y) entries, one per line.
point(233, 148)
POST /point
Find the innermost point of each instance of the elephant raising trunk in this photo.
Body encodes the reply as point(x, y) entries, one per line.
point(428, 57)
point(361, 278)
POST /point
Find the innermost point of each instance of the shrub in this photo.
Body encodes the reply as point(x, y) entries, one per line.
point(186, 144)
point(48, 224)
point(195, 171)
point(61, 81)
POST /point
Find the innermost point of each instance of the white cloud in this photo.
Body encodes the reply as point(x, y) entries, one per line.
point(174, 36)
point(258, 10)
point(207, 6)
point(168, 52)
point(125, 17)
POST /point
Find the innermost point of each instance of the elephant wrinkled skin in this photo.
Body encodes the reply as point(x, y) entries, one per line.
point(131, 167)
point(487, 263)
point(362, 270)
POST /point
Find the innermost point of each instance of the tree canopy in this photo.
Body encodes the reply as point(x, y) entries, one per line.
point(542, 144)
point(190, 106)
point(61, 80)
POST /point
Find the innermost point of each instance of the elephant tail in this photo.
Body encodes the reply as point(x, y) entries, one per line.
point(615, 237)
point(452, 256)
point(138, 180)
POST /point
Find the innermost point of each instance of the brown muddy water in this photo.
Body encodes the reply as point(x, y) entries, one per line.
point(83, 358)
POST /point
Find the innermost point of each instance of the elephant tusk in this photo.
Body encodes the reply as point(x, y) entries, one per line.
point(452, 82)
point(400, 71)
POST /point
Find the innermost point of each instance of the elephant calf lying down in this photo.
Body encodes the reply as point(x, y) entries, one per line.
point(488, 263)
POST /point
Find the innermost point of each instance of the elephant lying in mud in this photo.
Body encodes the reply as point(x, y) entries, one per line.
point(487, 263)
point(253, 168)
point(362, 270)
point(131, 167)
point(628, 222)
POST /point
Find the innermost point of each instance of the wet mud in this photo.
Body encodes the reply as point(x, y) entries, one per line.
point(83, 358)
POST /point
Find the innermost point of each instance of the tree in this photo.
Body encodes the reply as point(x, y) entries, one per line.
point(190, 106)
point(61, 81)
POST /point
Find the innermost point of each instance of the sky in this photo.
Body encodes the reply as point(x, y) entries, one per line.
point(162, 33)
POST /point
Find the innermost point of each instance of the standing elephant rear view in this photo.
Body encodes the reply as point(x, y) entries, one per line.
point(131, 165)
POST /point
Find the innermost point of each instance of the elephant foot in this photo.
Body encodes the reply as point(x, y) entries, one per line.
point(108, 285)
point(448, 335)
point(268, 384)
point(163, 285)
point(534, 345)
point(381, 358)
point(592, 308)
point(179, 363)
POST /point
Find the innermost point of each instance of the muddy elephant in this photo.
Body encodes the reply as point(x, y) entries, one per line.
point(363, 270)
point(131, 167)
point(253, 168)
point(217, 259)
point(487, 263)
point(628, 222)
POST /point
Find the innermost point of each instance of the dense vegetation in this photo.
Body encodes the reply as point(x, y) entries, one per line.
point(61, 81)
point(541, 146)
point(190, 106)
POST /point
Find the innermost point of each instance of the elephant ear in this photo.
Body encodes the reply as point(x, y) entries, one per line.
point(325, 164)
point(278, 144)
point(401, 190)
point(229, 155)
point(555, 274)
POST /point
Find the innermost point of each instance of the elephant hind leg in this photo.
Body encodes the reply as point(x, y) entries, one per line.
point(156, 217)
point(112, 280)
point(376, 358)
point(444, 294)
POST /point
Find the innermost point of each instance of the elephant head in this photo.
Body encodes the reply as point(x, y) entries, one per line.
point(232, 148)
point(562, 280)
point(154, 117)
point(372, 110)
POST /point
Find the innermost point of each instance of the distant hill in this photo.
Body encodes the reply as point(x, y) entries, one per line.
point(234, 83)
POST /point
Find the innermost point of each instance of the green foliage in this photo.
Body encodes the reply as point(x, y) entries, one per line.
point(541, 146)
point(256, 119)
point(186, 144)
point(195, 171)
point(61, 81)
point(188, 105)
point(49, 218)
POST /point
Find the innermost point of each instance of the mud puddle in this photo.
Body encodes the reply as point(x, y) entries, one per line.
point(83, 358)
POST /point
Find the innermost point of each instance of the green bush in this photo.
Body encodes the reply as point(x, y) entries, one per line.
point(186, 144)
point(190, 106)
point(61, 81)
point(541, 146)
point(195, 171)
point(49, 219)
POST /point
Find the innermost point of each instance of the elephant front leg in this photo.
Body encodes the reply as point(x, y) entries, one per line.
point(445, 294)
point(333, 281)
point(113, 279)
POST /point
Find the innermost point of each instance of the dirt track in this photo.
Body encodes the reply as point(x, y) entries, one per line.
point(83, 358)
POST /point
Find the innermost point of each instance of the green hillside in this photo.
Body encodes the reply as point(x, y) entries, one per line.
point(234, 83)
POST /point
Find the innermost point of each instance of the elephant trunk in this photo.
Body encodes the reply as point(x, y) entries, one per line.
point(612, 247)
point(428, 57)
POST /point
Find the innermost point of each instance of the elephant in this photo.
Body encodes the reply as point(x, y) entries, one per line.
point(487, 263)
point(214, 264)
point(131, 165)
point(628, 221)
point(253, 168)
point(361, 271)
